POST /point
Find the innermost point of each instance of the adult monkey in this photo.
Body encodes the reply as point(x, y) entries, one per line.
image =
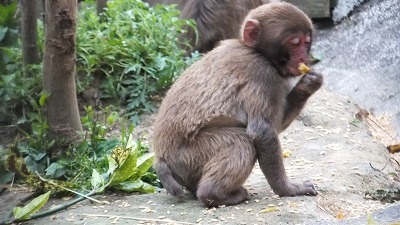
point(228, 108)
point(179, 3)
point(216, 19)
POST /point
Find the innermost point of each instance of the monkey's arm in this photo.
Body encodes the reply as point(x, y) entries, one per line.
point(297, 98)
point(269, 156)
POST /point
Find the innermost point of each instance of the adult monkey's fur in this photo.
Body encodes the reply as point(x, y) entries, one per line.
point(216, 20)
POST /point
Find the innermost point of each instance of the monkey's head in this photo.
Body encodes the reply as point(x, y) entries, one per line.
point(282, 33)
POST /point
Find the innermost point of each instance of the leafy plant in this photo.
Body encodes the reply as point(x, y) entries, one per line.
point(114, 160)
point(8, 31)
point(16, 93)
point(5, 175)
point(120, 162)
point(128, 51)
point(135, 47)
point(121, 165)
point(17, 89)
point(35, 145)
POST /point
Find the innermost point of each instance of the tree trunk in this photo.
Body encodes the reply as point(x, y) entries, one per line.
point(43, 8)
point(100, 5)
point(30, 49)
point(59, 69)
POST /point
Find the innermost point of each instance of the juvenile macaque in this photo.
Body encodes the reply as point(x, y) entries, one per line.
point(226, 110)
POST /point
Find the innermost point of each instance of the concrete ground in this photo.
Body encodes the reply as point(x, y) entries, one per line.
point(361, 57)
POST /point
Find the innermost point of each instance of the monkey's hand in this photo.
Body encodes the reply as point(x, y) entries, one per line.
point(307, 86)
point(296, 99)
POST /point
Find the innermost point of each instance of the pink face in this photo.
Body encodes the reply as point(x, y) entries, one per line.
point(298, 46)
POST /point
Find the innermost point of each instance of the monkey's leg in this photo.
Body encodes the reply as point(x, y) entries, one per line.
point(228, 168)
point(271, 163)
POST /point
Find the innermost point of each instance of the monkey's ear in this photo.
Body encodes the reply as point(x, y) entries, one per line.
point(251, 32)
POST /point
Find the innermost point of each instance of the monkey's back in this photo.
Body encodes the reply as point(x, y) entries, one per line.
point(211, 88)
point(216, 20)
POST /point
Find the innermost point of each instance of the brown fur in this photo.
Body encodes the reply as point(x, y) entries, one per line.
point(216, 19)
point(179, 3)
point(227, 110)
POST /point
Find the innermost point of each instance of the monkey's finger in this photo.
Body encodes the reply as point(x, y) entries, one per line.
point(309, 84)
point(312, 78)
point(316, 74)
point(311, 190)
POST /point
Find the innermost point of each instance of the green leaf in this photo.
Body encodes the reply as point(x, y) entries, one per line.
point(3, 31)
point(25, 212)
point(112, 118)
point(135, 186)
point(96, 180)
point(33, 165)
point(37, 156)
point(112, 165)
point(144, 163)
point(125, 171)
point(131, 143)
point(43, 98)
point(55, 170)
point(370, 219)
point(147, 188)
point(5, 177)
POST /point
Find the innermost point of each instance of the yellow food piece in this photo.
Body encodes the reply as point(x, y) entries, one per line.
point(269, 209)
point(394, 148)
point(340, 215)
point(286, 153)
point(303, 68)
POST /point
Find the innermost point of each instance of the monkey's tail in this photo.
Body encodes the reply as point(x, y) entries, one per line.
point(165, 175)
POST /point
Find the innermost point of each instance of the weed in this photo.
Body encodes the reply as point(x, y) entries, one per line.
point(119, 162)
point(135, 47)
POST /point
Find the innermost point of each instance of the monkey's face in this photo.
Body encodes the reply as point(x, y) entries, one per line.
point(297, 48)
point(282, 33)
point(287, 51)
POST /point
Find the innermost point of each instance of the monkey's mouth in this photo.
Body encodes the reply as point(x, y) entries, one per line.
point(294, 71)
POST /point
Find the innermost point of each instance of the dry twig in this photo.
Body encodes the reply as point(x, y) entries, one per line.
point(137, 218)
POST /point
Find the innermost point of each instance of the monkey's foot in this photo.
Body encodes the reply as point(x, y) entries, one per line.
point(212, 199)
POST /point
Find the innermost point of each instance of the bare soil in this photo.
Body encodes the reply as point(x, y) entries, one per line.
point(327, 144)
point(340, 154)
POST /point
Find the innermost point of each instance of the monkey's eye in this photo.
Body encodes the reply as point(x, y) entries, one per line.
point(307, 39)
point(295, 41)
